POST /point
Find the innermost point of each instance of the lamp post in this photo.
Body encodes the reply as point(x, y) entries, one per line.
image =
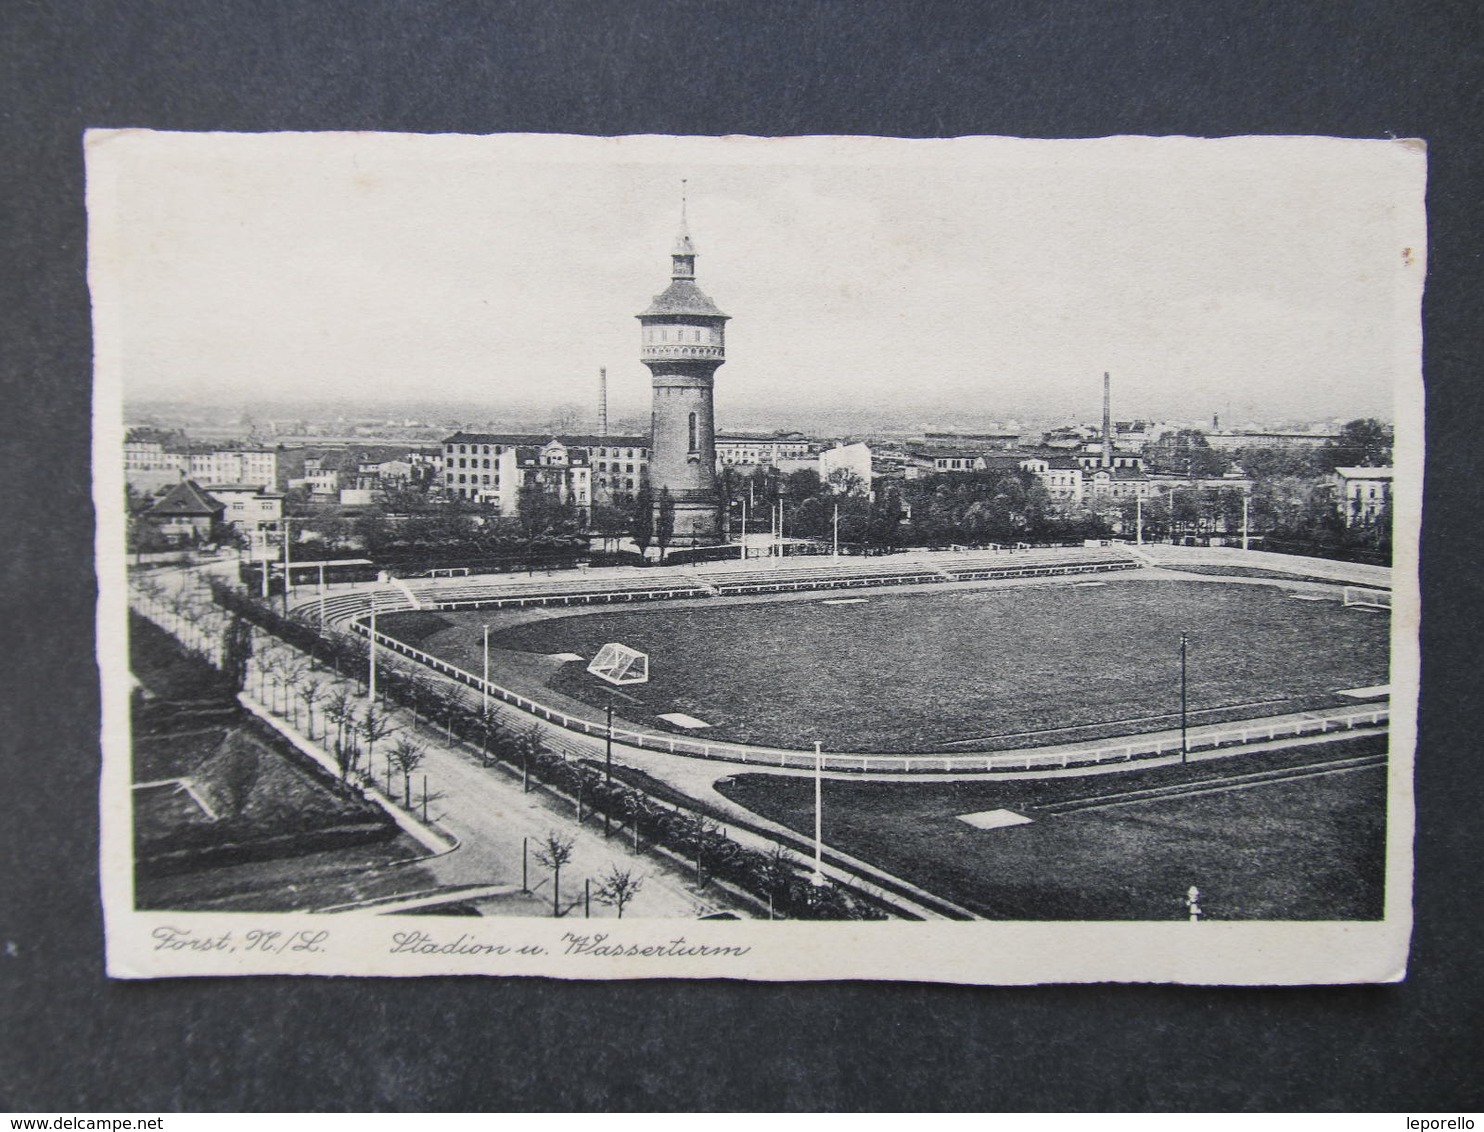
point(263, 563)
point(616, 664)
point(818, 877)
point(608, 764)
point(836, 552)
point(1184, 737)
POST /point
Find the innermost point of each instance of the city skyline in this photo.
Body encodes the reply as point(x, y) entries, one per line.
point(1247, 277)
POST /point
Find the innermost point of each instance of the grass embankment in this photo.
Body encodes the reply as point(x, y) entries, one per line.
point(233, 797)
point(1261, 836)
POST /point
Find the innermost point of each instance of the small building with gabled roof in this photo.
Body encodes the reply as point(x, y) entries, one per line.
point(186, 512)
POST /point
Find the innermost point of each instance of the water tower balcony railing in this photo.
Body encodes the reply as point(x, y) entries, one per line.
point(657, 353)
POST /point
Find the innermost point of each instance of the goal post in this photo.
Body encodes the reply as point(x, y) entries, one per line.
point(1362, 597)
point(619, 664)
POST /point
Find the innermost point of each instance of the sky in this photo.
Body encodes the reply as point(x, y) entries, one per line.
point(1258, 278)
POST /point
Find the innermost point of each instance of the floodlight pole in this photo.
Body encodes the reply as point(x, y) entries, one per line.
point(743, 539)
point(836, 553)
point(1138, 520)
point(818, 877)
point(288, 573)
point(1184, 739)
point(484, 687)
point(321, 597)
point(1244, 521)
point(371, 679)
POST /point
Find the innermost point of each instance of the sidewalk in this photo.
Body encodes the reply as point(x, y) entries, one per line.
point(494, 823)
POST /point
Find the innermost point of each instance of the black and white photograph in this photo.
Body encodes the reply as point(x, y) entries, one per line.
point(978, 560)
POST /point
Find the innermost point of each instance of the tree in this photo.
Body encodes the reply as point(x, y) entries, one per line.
point(530, 745)
point(619, 887)
point(641, 517)
point(420, 691)
point(1363, 443)
point(491, 732)
point(664, 521)
point(270, 665)
point(310, 690)
point(778, 873)
point(340, 710)
point(236, 652)
point(555, 852)
point(801, 484)
point(842, 481)
point(610, 522)
point(1187, 452)
point(294, 672)
point(445, 701)
point(407, 756)
point(374, 726)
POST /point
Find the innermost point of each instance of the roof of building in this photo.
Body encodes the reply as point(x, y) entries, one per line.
point(147, 435)
point(187, 500)
point(531, 455)
point(968, 437)
point(239, 488)
point(224, 448)
point(938, 453)
point(755, 439)
point(517, 439)
point(682, 297)
point(605, 441)
point(1365, 473)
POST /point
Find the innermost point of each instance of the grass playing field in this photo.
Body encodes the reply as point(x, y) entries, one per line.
point(961, 670)
point(1289, 835)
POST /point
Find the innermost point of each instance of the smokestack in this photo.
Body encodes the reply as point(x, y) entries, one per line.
point(603, 401)
point(1107, 423)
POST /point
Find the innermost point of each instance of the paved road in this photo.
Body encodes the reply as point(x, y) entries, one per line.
point(486, 810)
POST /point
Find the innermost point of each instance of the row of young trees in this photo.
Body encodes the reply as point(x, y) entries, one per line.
point(434, 703)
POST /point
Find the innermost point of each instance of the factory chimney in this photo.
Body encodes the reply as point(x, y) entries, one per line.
point(1107, 424)
point(603, 401)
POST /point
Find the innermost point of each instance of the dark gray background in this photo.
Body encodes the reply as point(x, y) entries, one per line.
point(72, 1040)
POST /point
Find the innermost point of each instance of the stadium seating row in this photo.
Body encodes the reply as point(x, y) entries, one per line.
point(784, 577)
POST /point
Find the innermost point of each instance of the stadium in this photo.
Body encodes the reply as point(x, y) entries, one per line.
point(1017, 653)
point(951, 694)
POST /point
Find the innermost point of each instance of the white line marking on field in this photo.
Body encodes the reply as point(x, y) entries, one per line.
point(845, 601)
point(1226, 786)
point(680, 719)
point(994, 819)
point(1374, 692)
point(565, 656)
point(1080, 585)
point(1310, 597)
